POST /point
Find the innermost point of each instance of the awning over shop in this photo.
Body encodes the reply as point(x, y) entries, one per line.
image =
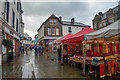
point(26, 44)
point(65, 37)
point(78, 37)
point(109, 31)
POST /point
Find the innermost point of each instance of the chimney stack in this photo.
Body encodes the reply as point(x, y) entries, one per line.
point(72, 20)
point(60, 18)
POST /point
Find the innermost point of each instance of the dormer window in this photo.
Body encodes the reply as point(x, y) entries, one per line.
point(53, 22)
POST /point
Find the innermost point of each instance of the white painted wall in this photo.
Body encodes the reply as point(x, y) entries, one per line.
point(74, 29)
point(0, 8)
point(41, 32)
point(12, 7)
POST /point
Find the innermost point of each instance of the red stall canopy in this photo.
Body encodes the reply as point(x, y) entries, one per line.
point(65, 37)
point(78, 37)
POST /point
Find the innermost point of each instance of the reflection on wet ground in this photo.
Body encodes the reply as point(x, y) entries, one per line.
point(31, 66)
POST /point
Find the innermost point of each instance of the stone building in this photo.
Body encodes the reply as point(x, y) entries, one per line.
point(104, 19)
point(54, 27)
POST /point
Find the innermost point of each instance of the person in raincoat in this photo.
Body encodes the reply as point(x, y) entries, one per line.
point(42, 49)
point(26, 49)
point(36, 50)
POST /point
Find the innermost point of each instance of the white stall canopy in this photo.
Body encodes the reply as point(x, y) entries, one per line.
point(108, 31)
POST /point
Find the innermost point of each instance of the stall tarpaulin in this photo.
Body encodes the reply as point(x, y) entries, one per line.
point(108, 31)
point(78, 37)
point(65, 37)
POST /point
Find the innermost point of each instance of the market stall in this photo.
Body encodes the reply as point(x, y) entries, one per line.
point(106, 48)
point(54, 46)
point(78, 39)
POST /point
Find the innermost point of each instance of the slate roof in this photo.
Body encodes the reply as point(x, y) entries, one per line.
point(65, 22)
point(74, 24)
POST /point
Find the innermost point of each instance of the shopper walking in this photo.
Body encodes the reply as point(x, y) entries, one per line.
point(59, 53)
point(23, 49)
point(42, 49)
point(26, 50)
point(36, 50)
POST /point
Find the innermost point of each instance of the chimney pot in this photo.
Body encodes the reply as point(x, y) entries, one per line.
point(60, 18)
point(72, 20)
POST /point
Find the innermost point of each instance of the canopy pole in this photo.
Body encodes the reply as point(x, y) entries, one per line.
point(61, 53)
point(52, 52)
point(48, 51)
point(84, 54)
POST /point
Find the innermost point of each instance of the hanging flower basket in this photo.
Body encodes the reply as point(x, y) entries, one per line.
point(9, 45)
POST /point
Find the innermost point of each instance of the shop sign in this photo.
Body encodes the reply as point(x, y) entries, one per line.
point(53, 40)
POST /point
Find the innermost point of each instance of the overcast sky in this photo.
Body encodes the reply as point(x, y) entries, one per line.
point(35, 13)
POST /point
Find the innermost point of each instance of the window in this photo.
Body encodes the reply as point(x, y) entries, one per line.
point(14, 1)
point(17, 6)
point(13, 19)
point(95, 26)
point(111, 19)
point(53, 22)
point(7, 11)
point(49, 31)
point(69, 29)
point(57, 31)
point(17, 25)
point(104, 23)
point(100, 24)
point(53, 31)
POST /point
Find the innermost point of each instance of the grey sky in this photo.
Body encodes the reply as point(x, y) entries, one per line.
point(35, 13)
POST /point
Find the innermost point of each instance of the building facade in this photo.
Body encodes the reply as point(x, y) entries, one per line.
point(54, 27)
point(72, 27)
point(49, 31)
point(104, 19)
point(27, 40)
point(11, 23)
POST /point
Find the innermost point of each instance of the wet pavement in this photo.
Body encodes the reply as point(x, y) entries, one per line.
point(31, 66)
